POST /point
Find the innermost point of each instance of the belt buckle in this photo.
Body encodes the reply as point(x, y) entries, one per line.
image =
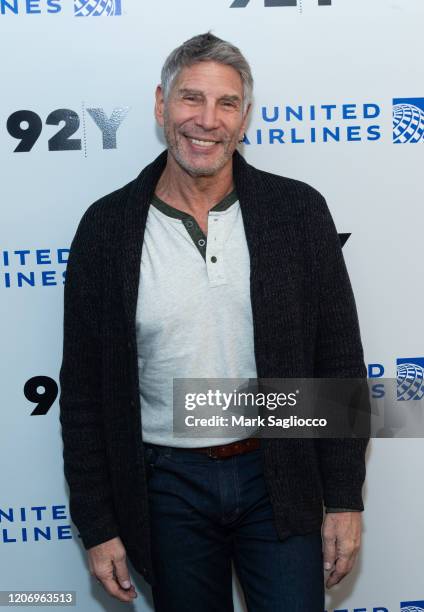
point(211, 453)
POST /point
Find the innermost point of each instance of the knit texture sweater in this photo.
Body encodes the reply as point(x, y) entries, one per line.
point(305, 325)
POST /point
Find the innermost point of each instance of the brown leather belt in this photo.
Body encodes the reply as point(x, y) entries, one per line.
point(228, 450)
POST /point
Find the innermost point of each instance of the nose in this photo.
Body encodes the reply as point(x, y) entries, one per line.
point(207, 117)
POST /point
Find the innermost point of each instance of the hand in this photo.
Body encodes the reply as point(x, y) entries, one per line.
point(107, 563)
point(341, 534)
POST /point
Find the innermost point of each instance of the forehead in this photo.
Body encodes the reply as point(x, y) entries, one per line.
point(210, 77)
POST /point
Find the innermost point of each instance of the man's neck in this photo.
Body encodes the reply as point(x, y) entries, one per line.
point(195, 195)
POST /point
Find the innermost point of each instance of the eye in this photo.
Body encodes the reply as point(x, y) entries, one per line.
point(191, 98)
point(229, 104)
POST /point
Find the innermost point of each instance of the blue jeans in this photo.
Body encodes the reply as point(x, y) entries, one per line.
point(206, 513)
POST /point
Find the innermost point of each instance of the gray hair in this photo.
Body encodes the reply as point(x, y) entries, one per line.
point(206, 48)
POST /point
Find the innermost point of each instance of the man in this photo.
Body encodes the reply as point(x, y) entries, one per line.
point(204, 266)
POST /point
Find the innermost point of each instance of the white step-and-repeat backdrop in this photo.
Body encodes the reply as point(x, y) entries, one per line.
point(339, 103)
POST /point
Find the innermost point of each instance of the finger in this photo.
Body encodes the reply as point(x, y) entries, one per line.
point(342, 568)
point(131, 590)
point(122, 573)
point(346, 553)
point(334, 578)
point(113, 588)
point(344, 564)
point(329, 551)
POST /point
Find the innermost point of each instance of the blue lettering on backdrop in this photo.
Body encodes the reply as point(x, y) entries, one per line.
point(9, 6)
point(368, 111)
point(17, 267)
point(29, 7)
point(33, 6)
point(58, 512)
point(375, 370)
point(378, 391)
point(328, 112)
point(46, 276)
point(374, 132)
point(374, 609)
point(349, 111)
point(352, 133)
point(41, 255)
point(64, 532)
point(334, 135)
point(296, 140)
point(276, 135)
point(336, 116)
point(296, 114)
point(274, 117)
point(53, 6)
point(20, 524)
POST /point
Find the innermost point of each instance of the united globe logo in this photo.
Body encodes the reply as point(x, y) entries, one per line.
point(410, 378)
point(412, 606)
point(408, 120)
point(97, 8)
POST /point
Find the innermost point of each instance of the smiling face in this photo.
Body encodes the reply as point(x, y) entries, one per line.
point(203, 117)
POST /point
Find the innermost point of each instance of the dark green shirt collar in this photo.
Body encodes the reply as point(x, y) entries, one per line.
point(198, 237)
point(171, 211)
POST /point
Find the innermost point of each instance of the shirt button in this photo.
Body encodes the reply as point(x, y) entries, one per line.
point(189, 223)
point(213, 259)
point(201, 242)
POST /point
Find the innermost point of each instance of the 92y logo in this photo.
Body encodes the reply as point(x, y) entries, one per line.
point(26, 126)
point(268, 3)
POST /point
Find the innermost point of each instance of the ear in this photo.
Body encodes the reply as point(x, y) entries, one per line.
point(159, 105)
point(244, 122)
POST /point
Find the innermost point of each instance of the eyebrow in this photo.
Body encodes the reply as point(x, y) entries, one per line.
point(197, 92)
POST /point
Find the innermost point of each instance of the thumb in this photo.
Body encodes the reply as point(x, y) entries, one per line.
point(122, 574)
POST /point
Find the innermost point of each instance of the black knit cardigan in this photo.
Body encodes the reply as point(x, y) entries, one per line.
point(305, 325)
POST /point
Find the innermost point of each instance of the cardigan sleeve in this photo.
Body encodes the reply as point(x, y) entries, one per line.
point(80, 400)
point(338, 354)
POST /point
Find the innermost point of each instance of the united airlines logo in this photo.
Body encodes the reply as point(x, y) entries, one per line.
point(97, 8)
point(408, 120)
point(352, 121)
point(410, 380)
point(412, 606)
point(82, 8)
